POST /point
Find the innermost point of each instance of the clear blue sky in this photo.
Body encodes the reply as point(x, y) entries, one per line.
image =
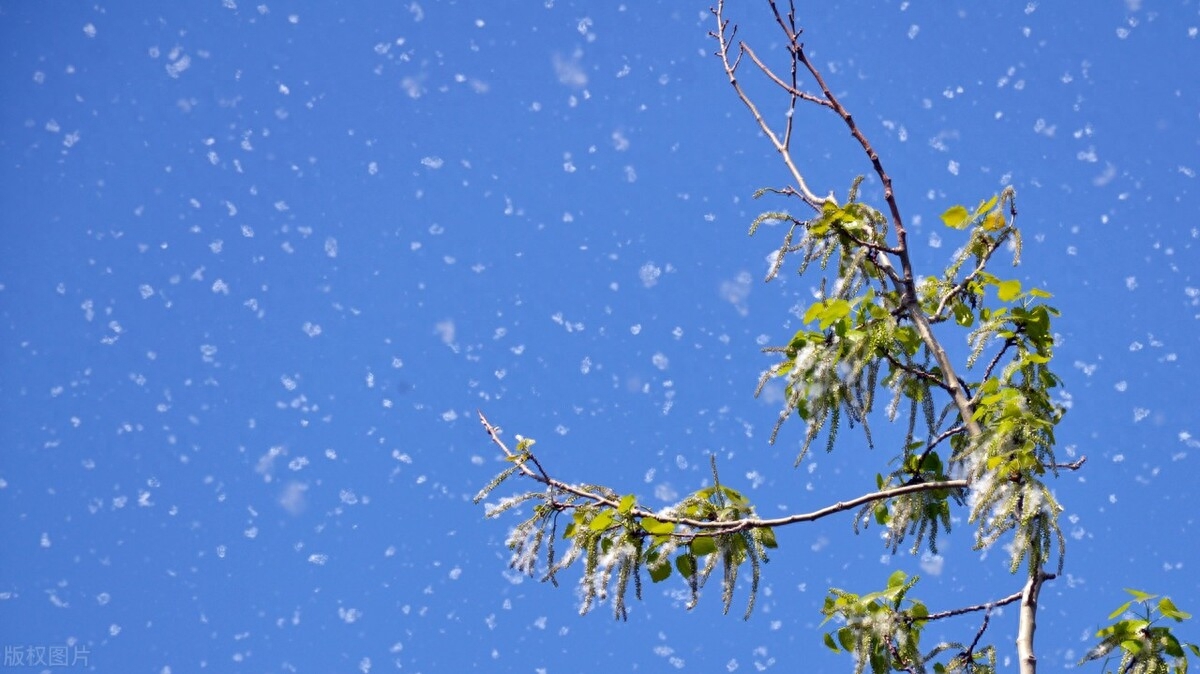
point(261, 263)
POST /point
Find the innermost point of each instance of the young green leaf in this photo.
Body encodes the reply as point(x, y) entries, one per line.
point(703, 545)
point(956, 217)
point(656, 527)
point(1009, 290)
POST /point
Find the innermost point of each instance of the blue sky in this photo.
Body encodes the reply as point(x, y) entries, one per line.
point(262, 263)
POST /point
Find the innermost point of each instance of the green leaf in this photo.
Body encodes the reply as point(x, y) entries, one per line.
point(1009, 290)
point(1171, 645)
point(827, 312)
point(962, 314)
point(703, 545)
point(896, 579)
point(1168, 609)
point(956, 217)
point(846, 638)
point(985, 206)
point(881, 514)
point(626, 504)
point(1138, 595)
point(1120, 609)
point(830, 643)
point(734, 495)
point(932, 463)
point(602, 521)
point(685, 565)
point(656, 527)
point(768, 538)
point(1133, 646)
point(660, 572)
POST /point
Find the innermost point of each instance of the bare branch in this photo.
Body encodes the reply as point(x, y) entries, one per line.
point(790, 88)
point(724, 39)
point(971, 609)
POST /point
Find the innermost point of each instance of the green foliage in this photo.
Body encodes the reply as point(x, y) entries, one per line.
point(1145, 645)
point(616, 538)
point(883, 630)
point(865, 335)
point(978, 435)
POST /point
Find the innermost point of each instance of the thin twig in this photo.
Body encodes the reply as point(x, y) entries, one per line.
point(791, 89)
point(971, 609)
point(724, 39)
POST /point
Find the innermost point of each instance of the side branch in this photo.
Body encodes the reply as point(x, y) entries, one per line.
point(724, 37)
point(711, 527)
point(971, 609)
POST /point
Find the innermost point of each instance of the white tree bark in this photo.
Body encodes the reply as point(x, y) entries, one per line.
point(1026, 659)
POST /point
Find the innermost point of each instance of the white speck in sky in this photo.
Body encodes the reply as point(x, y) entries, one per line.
point(445, 330)
point(179, 63)
point(89, 30)
point(432, 162)
point(952, 167)
point(1140, 413)
point(649, 274)
point(932, 564)
point(660, 361)
point(570, 71)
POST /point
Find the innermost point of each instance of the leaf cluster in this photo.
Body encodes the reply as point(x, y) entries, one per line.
point(883, 630)
point(1143, 643)
point(618, 539)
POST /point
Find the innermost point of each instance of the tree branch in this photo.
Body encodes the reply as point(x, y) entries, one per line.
point(724, 39)
point(712, 527)
point(1026, 659)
